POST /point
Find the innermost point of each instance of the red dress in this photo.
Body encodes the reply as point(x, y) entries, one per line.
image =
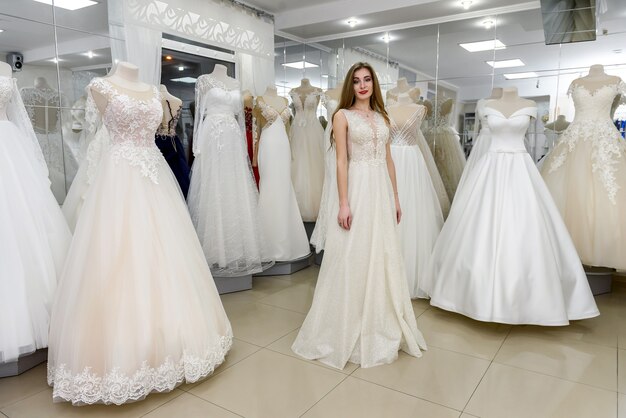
point(249, 122)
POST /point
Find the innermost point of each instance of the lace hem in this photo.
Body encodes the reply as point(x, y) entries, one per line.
point(117, 388)
point(147, 158)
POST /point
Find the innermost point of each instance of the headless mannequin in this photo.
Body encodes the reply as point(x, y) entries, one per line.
point(496, 93)
point(248, 99)
point(124, 78)
point(510, 102)
point(271, 98)
point(335, 92)
point(174, 105)
point(41, 83)
point(403, 109)
point(220, 72)
point(306, 88)
point(402, 86)
point(5, 71)
point(559, 125)
point(596, 78)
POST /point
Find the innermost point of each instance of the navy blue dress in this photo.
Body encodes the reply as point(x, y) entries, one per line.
point(172, 149)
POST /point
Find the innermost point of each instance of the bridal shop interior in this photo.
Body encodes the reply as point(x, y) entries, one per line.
point(446, 55)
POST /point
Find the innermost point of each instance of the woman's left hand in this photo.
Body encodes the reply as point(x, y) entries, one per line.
point(398, 210)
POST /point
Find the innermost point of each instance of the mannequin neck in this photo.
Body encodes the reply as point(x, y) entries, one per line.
point(127, 72)
point(220, 71)
point(5, 70)
point(305, 83)
point(596, 70)
point(271, 91)
point(509, 94)
point(402, 84)
point(496, 93)
point(560, 118)
point(163, 89)
point(404, 99)
point(42, 83)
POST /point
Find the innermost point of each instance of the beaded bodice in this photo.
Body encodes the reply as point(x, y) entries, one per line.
point(367, 138)
point(271, 115)
point(169, 128)
point(406, 134)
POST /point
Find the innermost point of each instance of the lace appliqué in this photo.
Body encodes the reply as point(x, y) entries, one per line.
point(147, 159)
point(271, 115)
point(309, 105)
point(367, 140)
point(117, 387)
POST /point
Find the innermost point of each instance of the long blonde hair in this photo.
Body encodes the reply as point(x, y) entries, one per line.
point(348, 97)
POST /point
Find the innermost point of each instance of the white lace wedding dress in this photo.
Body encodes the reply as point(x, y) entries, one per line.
point(361, 309)
point(136, 309)
point(222, 196)
point(586, 174)
point(307, 168)
point(284, 236)
point(34, 237)
point(504, 254)
point(422, 218)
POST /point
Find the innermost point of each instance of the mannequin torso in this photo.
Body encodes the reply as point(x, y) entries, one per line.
point(171, 105)
point(403, 109)
point(596, 79)
point(125, 79)
point(559, 125)
point(402, 86)
point(304, 90)
point(510, 102)
point(220, 72)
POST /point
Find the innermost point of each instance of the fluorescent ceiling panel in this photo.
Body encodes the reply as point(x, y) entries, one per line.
point(189, 80)
point(483, 46)
point(506, 63)
point(517, 76)
point(300, 65)
point(69, 4)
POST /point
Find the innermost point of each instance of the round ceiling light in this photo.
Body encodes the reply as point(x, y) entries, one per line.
point(386, 38)
point(466, 3)
point(488, 23)
point(352, 22)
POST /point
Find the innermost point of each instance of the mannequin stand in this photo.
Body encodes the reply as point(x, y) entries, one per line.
point(282, 268)
point(233, 284)
point(24, 363)
point(600, 279)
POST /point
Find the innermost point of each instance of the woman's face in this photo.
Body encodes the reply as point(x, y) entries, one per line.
point(363, 84)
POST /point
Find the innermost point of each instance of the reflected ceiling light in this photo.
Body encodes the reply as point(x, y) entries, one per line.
point(300, 65)
point(181, 68)
point(1, 30)
point(615, 51)
point(188, 80)
point(483, 46)
point(517, 76)
point(466, 3)
point(168, 57)
point(55, 60)
point(352, 22)
point(324, 75)
point(506, 63)
point(386, 38)
point(488, 23)
point(90, 54)
point(69, 4)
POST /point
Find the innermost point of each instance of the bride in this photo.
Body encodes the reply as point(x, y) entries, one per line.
point(361, 309)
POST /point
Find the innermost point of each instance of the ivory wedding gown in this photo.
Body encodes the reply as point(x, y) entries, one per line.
point(421, 213)
point(504, 254)
point(136, 308)
point(34, 237)
point(222, 196)
point(361, 309)
point(586, 174)
point(307, 168)
point(482, 143)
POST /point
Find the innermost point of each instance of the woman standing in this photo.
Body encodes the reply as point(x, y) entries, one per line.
point(361, 309)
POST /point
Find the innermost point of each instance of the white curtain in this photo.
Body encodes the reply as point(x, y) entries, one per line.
point(255, 72)
point(143, 46)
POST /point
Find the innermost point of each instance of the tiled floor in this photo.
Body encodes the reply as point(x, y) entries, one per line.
point(471, 369)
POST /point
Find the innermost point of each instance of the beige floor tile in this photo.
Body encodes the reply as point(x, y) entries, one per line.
point(269, 384)
point(284, 346)
point(261, 324)
point(41, 406)
point(309, 274)
point(457, 333)
point(577, 361)
point(189, 406)
point(466, 415)
point(420, 306)
point(13, 389)
point(621, 371)
point(261, 288)
point(440, 376)
point(511, 392)
point(621, 405)
point(357, 398)
point(297, 297)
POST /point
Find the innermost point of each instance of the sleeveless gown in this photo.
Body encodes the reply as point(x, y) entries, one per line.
point(504, 254)
point(34, 238)
point(223, 196)
point(136, 309)
point(586, 174)
point(422, 218)
point(361, 309)
point(307, 169)
point(284, 236)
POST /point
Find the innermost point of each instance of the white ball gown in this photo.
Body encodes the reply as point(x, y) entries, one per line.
point(482, 143)
point(504, 254)
point(34, 237)
point(361, 309)
point(422, 218)
point(284, 236)
point(222, 195)
point(586, 174)
point(307, 169)
point(136, 309)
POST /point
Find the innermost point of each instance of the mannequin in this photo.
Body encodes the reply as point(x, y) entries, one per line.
point(496, 93)
point(402, 109)
point(272, 99)
point(402, 86)
point(596, 78)
point(174, 105)
point(220, 72)
point(510, 102)
point(335, 92)
point(125, 78)
point(5, 71)
point(559, 125)
point(304, 89)
point(248, 107)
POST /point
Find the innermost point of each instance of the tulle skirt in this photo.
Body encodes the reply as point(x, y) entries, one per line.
point(449, 157)
point(586, 174)
point(307, 167)
point(223, 199)
point(504, 254)
point(329, 205)
point(34, 239)
point(284, 236)
point(421, 214)
point(435, 177)
point(361, 309)
point(136, 309)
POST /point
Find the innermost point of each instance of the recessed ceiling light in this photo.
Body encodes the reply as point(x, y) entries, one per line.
point(517, 76)
point(69, 4)
point(181, 68)
point(483, 46)
point(1, 30)
point(90, 54)
point(188, 80)
point(352, 22)
point(55, 60)
point(324, 75)
point(466, 4)
point(168, 57)
point(506, 63)
point(300, 65)
point(488, 23)
point(387, 38)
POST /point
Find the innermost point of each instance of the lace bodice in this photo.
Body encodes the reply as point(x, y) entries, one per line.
point(507, 134)
point(480, 114)
point(308, 109)
point(6, 91)
point(169, 128)
point(132, 124)
point(271, 115)
point(331, 105)
point(407, 133)
point(594, 105)
point(436, 118)
point(367, 139)
point(217, 98)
